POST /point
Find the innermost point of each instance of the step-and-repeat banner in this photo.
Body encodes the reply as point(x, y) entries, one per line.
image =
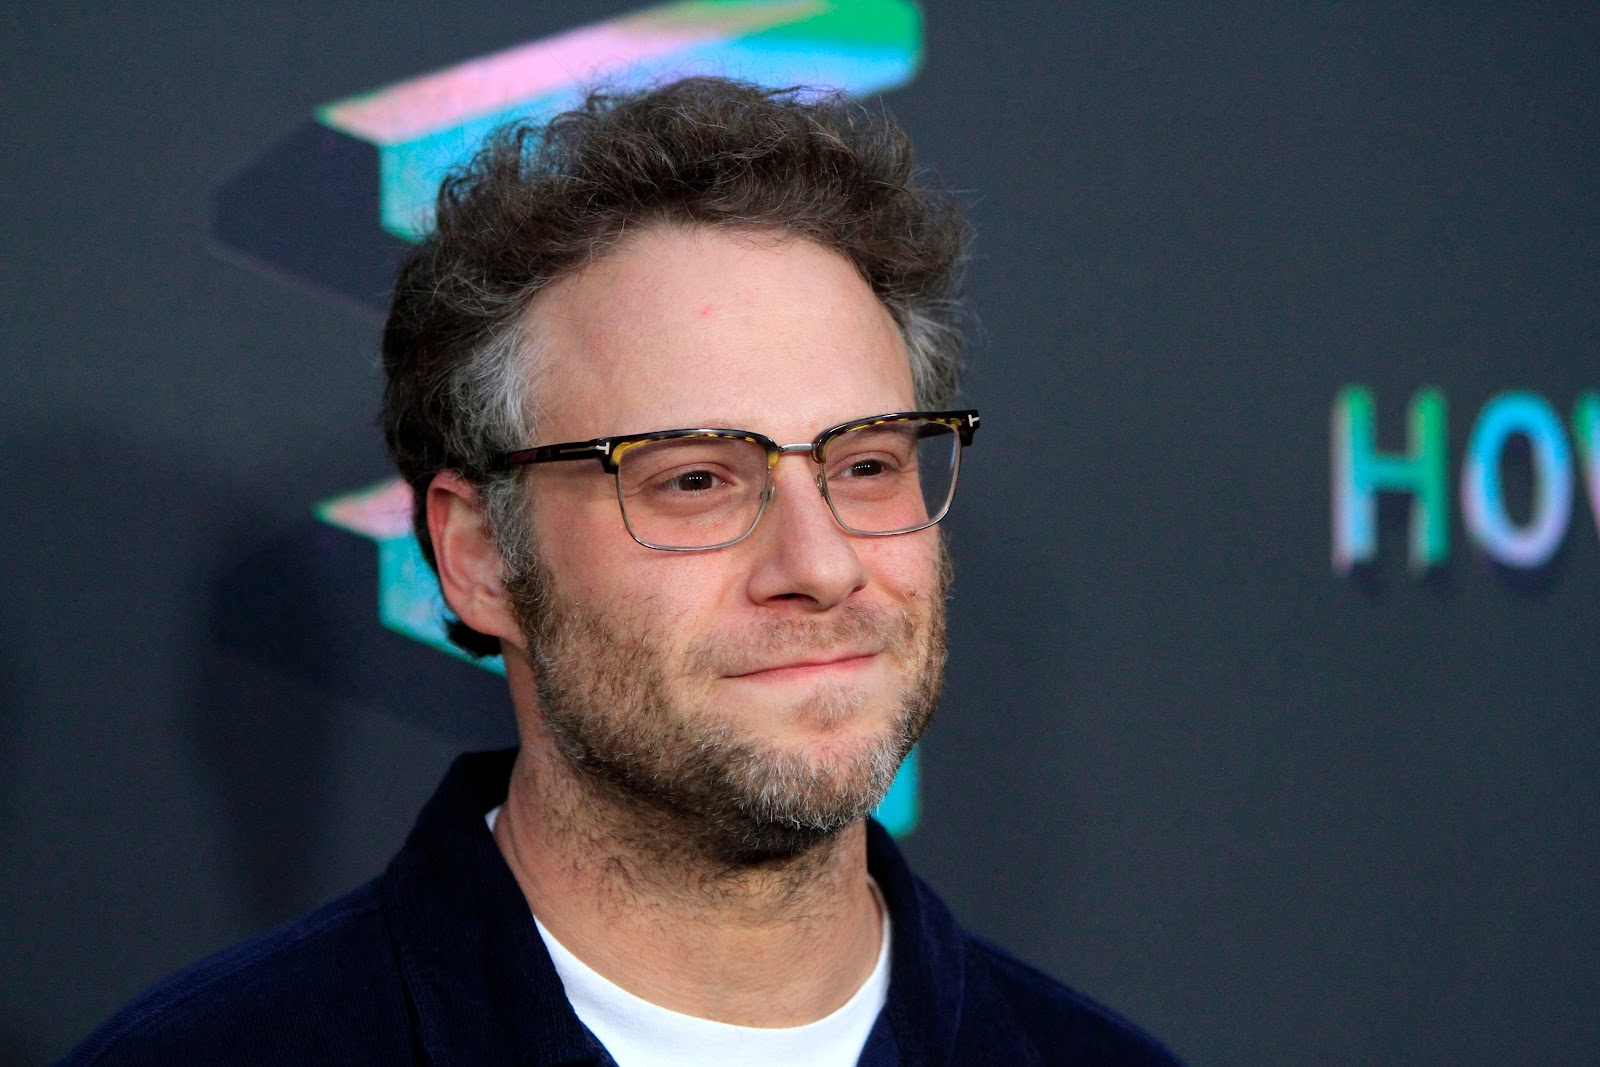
point(1270, 715)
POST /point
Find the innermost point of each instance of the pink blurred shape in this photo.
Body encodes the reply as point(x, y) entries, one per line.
point(492, 83)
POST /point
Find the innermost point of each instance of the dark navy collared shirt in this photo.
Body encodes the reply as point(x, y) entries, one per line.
point(438, 961)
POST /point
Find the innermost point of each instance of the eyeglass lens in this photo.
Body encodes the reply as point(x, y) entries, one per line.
point(703, 492)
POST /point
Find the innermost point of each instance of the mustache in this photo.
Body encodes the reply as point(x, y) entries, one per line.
point(758, 645)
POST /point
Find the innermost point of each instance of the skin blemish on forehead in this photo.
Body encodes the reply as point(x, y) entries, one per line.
point(707, 311)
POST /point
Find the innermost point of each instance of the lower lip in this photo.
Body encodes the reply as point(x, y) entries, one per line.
point(807, 671)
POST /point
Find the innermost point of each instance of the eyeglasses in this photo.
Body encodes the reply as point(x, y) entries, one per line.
point(691, 490)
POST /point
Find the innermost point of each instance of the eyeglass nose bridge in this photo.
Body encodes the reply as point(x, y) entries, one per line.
point(778, 452)
point(784, 450)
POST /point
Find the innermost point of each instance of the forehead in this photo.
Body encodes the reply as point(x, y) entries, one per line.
point(707, 327)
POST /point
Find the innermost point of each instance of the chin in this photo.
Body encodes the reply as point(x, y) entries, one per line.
point(825, 743)
point(829, 710)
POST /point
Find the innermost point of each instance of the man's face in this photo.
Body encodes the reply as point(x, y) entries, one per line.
point(764, 692)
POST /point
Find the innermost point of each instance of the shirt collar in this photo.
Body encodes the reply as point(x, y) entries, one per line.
point(484, 987)
point(927, 966)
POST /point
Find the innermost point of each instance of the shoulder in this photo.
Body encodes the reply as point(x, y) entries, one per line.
point(300, 993)
point(1064, 1026)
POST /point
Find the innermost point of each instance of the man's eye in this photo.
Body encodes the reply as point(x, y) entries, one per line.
point(692, 482)
point(865, 467)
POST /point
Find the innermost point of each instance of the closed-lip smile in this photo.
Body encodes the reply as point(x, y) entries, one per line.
point(843, 659)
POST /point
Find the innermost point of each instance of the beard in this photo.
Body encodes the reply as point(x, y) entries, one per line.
point(639, 718)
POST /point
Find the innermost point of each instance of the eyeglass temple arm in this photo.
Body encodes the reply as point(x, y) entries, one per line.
point(599, 448)
point(965, 423)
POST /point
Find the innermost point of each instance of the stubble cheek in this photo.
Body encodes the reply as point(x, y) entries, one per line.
point(914, 575)
point(926, 598)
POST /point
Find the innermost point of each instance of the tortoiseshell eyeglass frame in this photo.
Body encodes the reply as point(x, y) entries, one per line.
point(610, 450)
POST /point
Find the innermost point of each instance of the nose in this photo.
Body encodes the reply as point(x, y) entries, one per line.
point(804, 556)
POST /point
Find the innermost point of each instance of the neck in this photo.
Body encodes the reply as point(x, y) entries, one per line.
point(634, 891)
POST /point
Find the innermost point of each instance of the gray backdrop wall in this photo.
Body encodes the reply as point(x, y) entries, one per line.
point(1275, 812)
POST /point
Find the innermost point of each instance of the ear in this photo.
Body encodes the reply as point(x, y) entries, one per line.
point(471, 572)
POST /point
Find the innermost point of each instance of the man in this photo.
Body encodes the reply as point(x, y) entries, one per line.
point(672, 381)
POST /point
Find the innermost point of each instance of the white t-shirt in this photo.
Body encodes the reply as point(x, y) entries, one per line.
point(639, 1033)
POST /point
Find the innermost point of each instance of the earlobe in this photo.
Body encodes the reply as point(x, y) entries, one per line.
point(471, 570)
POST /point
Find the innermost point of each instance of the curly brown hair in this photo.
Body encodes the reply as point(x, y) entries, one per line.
point(537, 203)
